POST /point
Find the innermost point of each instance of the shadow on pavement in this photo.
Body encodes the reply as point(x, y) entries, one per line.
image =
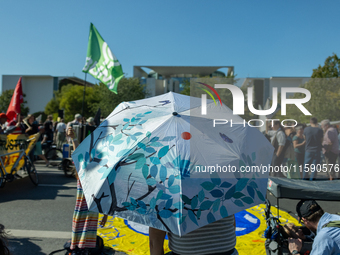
point(25, 246)
point(24, 189)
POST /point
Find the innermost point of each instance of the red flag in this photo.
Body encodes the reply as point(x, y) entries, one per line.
point(17, 99)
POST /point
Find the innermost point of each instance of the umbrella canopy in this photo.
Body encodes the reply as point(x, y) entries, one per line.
point(159, 162)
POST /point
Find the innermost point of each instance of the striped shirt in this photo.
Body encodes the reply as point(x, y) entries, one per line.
point(216, 237)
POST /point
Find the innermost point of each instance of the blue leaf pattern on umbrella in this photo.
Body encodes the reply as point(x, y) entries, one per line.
point(226, 138)
point(151, 158)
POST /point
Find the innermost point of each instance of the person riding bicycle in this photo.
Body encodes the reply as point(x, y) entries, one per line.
point(47, 138)
point(48, 125)
point(32, 128)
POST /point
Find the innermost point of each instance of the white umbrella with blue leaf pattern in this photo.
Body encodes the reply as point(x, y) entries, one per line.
point(155, 162)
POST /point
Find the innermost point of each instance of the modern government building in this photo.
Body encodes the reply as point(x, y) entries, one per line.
point(39, 89)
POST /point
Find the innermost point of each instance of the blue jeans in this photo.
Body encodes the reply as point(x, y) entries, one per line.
point(311, 158)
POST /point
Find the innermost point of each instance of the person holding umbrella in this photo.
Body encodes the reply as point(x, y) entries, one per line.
point(84, 226)
point(159, 162)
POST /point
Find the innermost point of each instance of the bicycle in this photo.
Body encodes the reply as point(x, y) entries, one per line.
point(28, 168)
point(51, 151)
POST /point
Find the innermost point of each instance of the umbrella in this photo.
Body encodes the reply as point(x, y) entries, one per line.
point(159, 162)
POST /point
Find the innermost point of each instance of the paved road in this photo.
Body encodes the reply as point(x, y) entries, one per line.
point(39, 219)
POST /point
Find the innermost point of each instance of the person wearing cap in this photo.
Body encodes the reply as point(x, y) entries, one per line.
point(77, 120)
point(90, 121)
point(327, 240)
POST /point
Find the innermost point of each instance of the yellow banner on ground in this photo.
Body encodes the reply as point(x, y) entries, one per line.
point(132, 238)
point(11, 143)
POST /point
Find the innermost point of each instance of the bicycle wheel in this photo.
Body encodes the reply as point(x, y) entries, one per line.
point(68, 167)
point(32, 172)
point(2, 179)
point(54, 154)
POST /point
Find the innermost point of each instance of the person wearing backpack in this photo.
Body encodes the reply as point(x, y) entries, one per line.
point(325, 225)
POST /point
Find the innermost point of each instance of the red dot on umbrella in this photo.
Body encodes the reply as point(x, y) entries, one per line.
point(186, 135)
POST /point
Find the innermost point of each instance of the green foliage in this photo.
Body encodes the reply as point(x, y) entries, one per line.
point(186, 83)
point(70, 98)
point(52, 106)
point(324, 102)
point(5, 100)
point(325, 93)
point(330, 68)
point(186, 88)
point(24, 109)
point(225, 94)
point(129, 89)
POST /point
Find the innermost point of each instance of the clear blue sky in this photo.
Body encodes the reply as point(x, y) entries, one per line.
point(258, 38)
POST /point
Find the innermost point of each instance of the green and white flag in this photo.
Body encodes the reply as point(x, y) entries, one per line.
point(101, 63)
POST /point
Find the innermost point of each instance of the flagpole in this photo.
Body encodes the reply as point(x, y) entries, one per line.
point(82, 109)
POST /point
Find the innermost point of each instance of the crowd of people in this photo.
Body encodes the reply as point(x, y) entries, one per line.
point(311, 144)
point(316, 148)
point(84, 227)
point(52, 132)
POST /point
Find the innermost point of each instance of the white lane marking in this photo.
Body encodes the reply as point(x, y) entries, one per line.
point(59, 185)
point(39, 234)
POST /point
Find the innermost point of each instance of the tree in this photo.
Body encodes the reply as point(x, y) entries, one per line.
point(324, 102)
point(70, 98)
point(186, 87)
point(129, 89)
point(5, 100)
point(330, 69)
point(52, 106)
point(225, 94)
point(186, 82)
point(325, 93)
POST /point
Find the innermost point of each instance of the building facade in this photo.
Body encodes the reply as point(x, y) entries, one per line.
point(162, 79)
point(39, 89)
point(263, 91)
